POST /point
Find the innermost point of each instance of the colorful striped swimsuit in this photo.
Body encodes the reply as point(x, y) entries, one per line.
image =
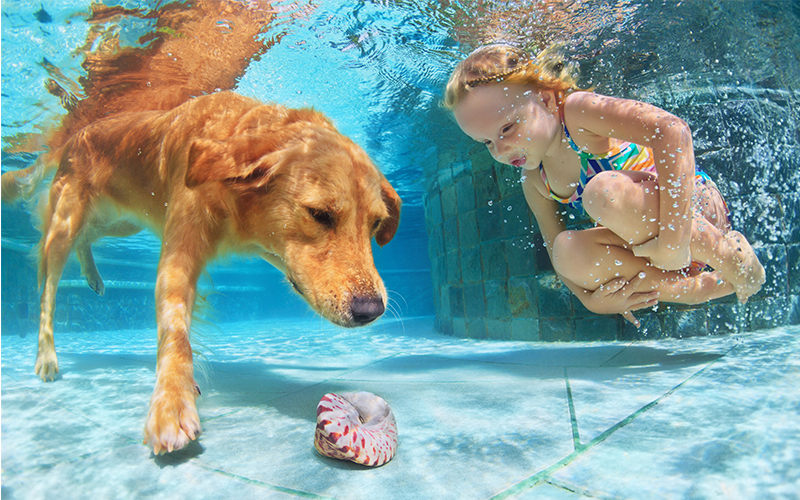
point(626, 156)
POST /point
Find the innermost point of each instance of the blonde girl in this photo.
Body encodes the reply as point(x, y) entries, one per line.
point(629, 165)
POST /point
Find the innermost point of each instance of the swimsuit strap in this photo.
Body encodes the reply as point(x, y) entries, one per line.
point(566, 132)
point(581, 153)
point(573, 200)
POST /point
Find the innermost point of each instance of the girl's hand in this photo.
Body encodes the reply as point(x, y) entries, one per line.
point(661, 257)
point(620, 296)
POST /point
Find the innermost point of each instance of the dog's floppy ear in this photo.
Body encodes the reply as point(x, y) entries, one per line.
point(211, 160)
point(208, 161)
point(389, 225)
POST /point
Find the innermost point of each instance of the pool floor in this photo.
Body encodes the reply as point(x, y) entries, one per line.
point(706, 417)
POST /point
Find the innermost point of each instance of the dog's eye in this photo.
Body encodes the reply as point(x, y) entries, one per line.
point(323, 217)
point(376, 225)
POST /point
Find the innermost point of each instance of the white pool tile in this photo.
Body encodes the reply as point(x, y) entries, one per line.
point(661, 419)
point(128, 472)
point(733, 431)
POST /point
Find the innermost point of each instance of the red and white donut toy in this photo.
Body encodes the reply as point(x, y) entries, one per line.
point(356, 426)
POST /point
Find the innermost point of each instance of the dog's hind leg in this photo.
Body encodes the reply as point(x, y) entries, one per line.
point(83, 250)
point(66, 210)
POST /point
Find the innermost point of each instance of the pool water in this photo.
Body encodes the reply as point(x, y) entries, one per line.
point(497, 393)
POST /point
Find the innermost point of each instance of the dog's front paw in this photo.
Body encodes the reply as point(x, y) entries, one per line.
point(173, 421)
point(46, 364)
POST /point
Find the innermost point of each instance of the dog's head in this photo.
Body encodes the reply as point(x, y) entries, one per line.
point(310, 200)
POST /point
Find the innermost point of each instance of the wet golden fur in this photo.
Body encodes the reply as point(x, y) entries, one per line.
point(187, 54)
point(221, 173)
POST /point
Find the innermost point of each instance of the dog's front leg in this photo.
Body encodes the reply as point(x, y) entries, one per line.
point(173, 420)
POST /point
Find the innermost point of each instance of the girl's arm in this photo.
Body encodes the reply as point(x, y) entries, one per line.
point(544, 209)
point(615, 297)
point(595, 118)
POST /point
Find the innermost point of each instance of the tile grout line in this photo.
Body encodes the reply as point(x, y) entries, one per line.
point(604, 363)
point(573, 418)
point(298, 493)
point(574, 489)
point(273, 487)
point(544, 474)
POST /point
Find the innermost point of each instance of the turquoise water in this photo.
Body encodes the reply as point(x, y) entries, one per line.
point(700, 403)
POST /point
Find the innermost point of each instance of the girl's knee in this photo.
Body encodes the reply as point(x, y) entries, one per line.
point(613, 194)
point(599, 198)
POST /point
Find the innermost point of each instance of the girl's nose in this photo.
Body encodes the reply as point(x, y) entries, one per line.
point(502, 148)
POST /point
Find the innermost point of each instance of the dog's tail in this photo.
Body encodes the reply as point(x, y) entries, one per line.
point(22, 184)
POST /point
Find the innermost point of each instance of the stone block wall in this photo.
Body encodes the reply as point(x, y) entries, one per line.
point(493, 279)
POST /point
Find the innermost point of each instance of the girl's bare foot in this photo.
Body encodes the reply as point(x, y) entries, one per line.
point(742, 268)
point(695, 288)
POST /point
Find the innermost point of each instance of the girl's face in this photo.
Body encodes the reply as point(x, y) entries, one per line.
point(518, 124)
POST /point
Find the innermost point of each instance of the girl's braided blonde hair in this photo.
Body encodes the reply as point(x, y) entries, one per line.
point(505, 63)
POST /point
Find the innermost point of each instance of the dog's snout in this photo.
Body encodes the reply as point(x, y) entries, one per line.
point(366, 309)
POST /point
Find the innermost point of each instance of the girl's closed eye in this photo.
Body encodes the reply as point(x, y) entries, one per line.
point(503, 131)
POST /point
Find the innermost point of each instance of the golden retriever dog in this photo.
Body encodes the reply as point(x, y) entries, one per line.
point(218, 174)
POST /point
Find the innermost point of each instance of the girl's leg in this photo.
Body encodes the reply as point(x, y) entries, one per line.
point(627, 203)
point(593, 257)
point(731, 255)
point(727, 251)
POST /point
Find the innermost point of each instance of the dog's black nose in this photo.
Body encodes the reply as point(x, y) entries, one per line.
point(366, 309)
